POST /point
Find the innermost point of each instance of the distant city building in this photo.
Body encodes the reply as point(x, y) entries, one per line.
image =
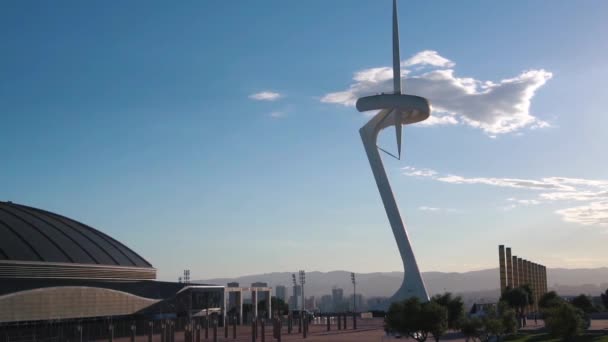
point(374, 303)
point(280, 292)
point(310, 304)
point(296, 299)
point(326, 303)
point(338, 300)
point(359, 302)
point(233, 284)
point(259, 284)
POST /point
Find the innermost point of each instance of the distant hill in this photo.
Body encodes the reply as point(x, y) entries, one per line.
point(476, 285)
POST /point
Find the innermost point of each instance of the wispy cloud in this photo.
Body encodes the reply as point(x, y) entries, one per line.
point(494, 107)
point(265, 96)
point(277, 114)
point(524, 201)
point(435, 209)
point(552, 189)
point(412, 171)
point(594, 213)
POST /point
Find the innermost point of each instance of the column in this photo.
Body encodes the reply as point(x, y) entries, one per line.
point(254, 301)
point(509, 268)
point(520, 271)
point(546, 279)
point(502, 268)
point(269, 296)
point(515, 271)
point(240, 305)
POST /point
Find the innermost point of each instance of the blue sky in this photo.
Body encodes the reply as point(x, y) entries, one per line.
point(140, 119)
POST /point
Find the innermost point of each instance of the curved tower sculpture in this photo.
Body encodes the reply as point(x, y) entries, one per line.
point(396, 109)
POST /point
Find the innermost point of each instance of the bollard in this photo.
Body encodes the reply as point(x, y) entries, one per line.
point(300, 325)
point(172, 331)
point(252, 330)
point(150, 330)
point(327, 319)
point(198, 331)
point(162, 332)
point(214, 330)
point(132, 332)
point(339, 322)
point(279, 329)
point(111, 333)
point(354, 321)
point(289, 325)
point(186, 333)
point(206, 327)
point(345, 321)
point(263, 330)
point(79, 330)
point(225, 328)
point(234, 328)
point(305, 328)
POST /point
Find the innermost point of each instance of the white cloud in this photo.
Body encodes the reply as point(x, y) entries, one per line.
point(495, 107)
point(277, 114)
point(594, 213)
point(265, 96)
point(524, 201)
point(435, 120)
point(427, 57)
point(435, 209)
point(507, 182)
point(411, 171)
point(592, 191)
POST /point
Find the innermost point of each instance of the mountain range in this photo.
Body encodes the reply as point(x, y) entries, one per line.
point(482, 285)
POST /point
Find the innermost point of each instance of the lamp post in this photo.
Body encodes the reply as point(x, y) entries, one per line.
point(302, 282)
point(352, 278)
point(295, 296)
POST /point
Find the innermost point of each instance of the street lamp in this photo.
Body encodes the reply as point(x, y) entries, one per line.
point(352, 278)
point(295, 295)
point(302, 282)
point(302, 319)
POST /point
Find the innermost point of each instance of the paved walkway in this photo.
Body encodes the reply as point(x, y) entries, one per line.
point(368, 330)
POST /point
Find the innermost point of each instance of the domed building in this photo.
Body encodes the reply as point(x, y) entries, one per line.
point(53, 268)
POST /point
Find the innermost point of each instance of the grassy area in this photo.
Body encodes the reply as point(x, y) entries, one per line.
point(548, 338)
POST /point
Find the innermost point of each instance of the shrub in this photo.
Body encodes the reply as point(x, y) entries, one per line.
point(564, 321)
point(417, 320)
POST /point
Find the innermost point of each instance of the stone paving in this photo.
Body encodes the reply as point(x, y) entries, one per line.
point(368, 330)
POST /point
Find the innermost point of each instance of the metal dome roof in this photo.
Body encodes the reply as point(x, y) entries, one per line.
point(35, 235)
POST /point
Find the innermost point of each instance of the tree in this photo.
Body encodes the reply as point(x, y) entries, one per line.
point(454, 305)
point(564, 321)
point(470, 327)
point(277, 305)
point(605, 299)
point(549, 300)
point(516, 298)
point(529, 293)
point(497, 322)
point(508, 316)
point(584, 303)
point(417, 320)
point(434, 319)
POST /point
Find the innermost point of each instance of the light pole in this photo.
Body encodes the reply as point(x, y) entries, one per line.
point(302, 282)
point(295, 295)
point(302, 319)
point(352, 277)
